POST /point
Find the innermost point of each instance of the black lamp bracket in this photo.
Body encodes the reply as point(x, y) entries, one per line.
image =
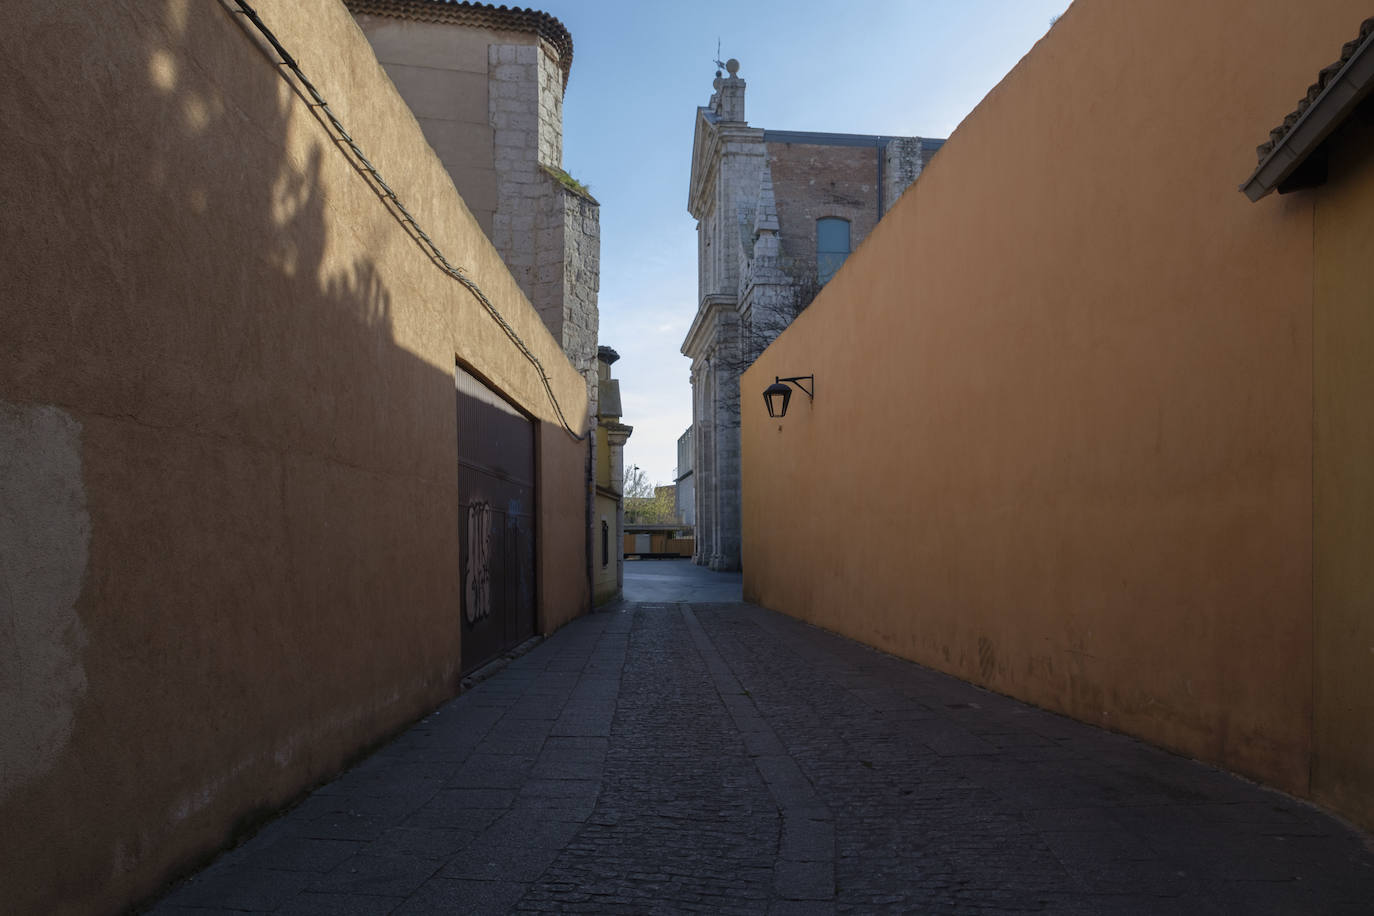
point(797, 380)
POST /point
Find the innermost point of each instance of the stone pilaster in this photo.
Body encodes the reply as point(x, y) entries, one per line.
point(610, 476)
point(725, 372)
point(768, 301)
point(616, 435)
point(904, 158)
point(702, 395)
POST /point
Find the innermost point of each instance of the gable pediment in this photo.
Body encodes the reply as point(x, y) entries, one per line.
point(705, 153)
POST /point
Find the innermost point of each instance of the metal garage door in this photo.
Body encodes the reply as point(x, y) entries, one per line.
point(495, 522)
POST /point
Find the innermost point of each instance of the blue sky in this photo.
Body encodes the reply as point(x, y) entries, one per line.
point(641, 68)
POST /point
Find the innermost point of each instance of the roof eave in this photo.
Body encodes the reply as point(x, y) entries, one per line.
point(476, 14)
point(1346, 90)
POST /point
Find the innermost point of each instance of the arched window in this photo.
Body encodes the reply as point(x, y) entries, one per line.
point(832, 246)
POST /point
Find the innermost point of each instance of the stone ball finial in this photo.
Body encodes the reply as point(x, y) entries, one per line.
point(732, 67)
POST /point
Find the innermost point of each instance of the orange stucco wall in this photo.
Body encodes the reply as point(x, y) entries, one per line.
point(1061, 439)
point(1343, 332)
point(228, 455)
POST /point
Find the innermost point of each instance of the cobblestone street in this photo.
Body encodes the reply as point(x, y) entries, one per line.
point(715, 757)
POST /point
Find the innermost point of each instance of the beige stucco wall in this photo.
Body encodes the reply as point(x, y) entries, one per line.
point(1343, 331)
point(1061, 441)
point(227, 434)
point(605, 578)
point(561, 537)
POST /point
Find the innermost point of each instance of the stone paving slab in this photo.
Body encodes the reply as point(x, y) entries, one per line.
point(673, 758)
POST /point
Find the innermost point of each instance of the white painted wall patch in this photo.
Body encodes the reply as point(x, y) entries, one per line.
point(45, 535)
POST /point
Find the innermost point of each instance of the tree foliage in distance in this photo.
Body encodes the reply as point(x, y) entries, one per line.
point(646, 504)
point(635, 483)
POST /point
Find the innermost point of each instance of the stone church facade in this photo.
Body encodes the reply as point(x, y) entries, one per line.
point(777, 213)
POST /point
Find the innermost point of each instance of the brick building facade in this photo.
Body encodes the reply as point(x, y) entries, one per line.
point(777, 213)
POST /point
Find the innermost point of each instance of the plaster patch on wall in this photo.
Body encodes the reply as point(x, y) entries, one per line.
point(45, 535)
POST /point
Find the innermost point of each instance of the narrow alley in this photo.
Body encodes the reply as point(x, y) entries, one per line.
point(388, 408)
point(663, 757)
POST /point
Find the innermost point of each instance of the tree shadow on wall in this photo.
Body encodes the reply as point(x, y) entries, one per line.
point(267, 471)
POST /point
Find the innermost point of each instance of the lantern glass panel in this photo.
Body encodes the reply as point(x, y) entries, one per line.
point(776, 397)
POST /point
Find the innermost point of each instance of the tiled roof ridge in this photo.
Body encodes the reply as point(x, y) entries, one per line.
point(478, 15)
point(1324, 78)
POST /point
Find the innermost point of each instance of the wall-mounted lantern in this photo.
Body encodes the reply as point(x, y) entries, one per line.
point(776, 395)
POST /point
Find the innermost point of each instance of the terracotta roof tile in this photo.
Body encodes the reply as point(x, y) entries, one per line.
point(1324, 78)
point(476, 15)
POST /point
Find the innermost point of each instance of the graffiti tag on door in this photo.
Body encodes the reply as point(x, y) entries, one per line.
point(477, 586)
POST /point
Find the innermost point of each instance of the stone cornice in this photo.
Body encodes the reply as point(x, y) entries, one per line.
point(617, 433)
point(703, 326)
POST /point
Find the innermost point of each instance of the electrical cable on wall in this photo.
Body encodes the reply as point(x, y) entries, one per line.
point(403, 215)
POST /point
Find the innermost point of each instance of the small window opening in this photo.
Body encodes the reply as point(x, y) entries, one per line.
point(832, 246)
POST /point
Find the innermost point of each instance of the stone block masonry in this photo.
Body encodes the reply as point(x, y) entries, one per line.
point(567, 267)
point(904, 158)
point(581, 251)
point(550, 138)
point(547, 232)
